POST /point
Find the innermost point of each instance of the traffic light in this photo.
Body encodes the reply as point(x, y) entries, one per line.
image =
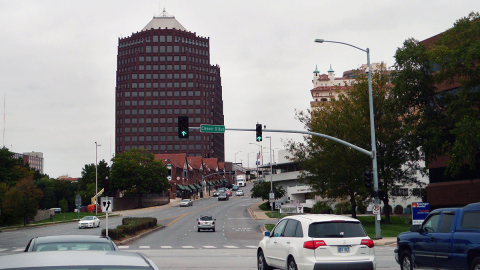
point(259, 132)
point(183, 131)
point(106, 187)
point(367, 177)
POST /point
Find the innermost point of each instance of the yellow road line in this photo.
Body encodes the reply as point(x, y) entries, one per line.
point(181, 216)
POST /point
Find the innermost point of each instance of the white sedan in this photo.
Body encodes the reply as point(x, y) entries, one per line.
point(186, 202)
point(239, 192)
point(89, 222)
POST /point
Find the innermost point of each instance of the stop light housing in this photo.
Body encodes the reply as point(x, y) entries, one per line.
point(367, 177)
point(183, 131)
point(106, 186)
point(259, 132)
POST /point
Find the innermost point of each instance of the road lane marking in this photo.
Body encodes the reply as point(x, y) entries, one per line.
point(144, 247)
point(209, 247)
point(187, 247)
point(230, 246)
point(251, 246)
point(19, 249)
point(165, 246)
point(120, 247)
point(181, 216)
point(2, 249)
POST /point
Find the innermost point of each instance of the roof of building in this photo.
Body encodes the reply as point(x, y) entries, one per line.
point(177, 160)
point(195, 162)
point(211, 163)
point(163, 22)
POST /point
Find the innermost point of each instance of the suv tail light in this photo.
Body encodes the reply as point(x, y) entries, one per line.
point(199, 223)
point(368, 242)
point(313, 244)
point(213, 223)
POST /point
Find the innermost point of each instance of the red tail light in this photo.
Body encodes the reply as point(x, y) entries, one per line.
point(313, 244)
point(213, 223)
point(199, 223)
point(368, 242)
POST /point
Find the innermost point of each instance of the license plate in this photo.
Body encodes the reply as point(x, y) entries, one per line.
point(343, 249)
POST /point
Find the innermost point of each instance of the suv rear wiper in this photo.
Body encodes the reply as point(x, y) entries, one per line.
point(333, 235)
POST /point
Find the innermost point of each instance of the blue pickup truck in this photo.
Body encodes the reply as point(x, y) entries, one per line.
point(449, 238)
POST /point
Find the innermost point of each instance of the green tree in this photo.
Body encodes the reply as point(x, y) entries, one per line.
point(262, 190)
point(136, 171)
point(335, 171)
point(442, 123)
point(88, 175)
point(22, 200)
point(63, 205)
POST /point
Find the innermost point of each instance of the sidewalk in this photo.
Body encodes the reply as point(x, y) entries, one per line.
point(259, 215)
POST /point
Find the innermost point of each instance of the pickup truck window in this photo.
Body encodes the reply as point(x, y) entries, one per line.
point(431, 224)
point(446, 222)
point(470, 220)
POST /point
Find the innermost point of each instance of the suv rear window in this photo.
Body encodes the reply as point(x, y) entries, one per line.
point(206, 218)
point(336, 229)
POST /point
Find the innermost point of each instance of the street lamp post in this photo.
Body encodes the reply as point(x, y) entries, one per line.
point(271, 172)
point(256, 162)
point(372, 130)
point(236, 156)
point(96, 177)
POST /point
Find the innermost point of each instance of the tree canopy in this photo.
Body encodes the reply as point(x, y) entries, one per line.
point(262, 190)
point(137, 172)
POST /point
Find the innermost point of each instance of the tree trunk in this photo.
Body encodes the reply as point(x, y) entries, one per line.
point(387, 210)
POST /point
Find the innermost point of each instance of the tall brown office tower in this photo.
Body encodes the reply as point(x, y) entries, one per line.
point(164, 72)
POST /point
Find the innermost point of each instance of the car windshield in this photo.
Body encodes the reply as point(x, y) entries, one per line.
point(206, 218)
point(336, 229)
point(185, 200)
point(72, 246)
point(87, 218)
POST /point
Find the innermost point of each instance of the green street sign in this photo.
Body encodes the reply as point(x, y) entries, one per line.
point(212, 128)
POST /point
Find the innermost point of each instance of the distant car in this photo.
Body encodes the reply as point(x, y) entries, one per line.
point(223, 197)
point(222, 189)
point(235, 188)
point(77, 260)
point(317, 242)
point(206, 223)
point(70, 242)
point(216, 193)
point(229, 193)
point(89, 222)
point(239, 192)
point(186, 202)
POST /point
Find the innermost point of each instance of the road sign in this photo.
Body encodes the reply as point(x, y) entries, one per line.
point(107, 204)
point(212, 128)
point(420, 211)
point(78, 200)
point(376, 209)
point(278, 205)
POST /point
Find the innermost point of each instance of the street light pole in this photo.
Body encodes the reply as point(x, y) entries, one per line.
point(256, 162)
point(271, 172)
point(236, 156)
point(372, 130)
point(96, 177)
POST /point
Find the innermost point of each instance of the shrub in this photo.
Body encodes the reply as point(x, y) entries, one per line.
point(131, 226)
point(343, 208)
point(361, 208)
point(321, 208)
point(389, 208)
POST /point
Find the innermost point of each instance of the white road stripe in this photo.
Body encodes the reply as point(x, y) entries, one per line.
point(166, 247)
point(187, 247)
point(123, 247)
point(2, 249)
point(209, 247)
point(230, 246)
point(19, 249)
point(251, 246)
point(144, 247)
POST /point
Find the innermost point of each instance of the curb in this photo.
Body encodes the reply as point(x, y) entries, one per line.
point(138, 236)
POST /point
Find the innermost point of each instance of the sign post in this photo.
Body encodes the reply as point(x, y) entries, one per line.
point(107, 206)
point(78, 202)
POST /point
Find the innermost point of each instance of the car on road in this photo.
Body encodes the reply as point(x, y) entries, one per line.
point(223, 197)
point(229, 193)
point(206, 222)
point(239, 193)
point(89, 222)
point(77, 260)
point(216, 193)
point(316, 242)
point(235, 188)
point(186, 202)
point(70, 242)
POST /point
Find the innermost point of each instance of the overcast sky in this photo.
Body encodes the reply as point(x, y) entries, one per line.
point(58, 63)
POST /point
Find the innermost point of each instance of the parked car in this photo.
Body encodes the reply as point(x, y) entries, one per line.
point(448, 238)
point(316, 242)
point(216, 193)
point(235, 188)
point(186, 202)
point(56, 210)
point(223, 197)
point(77, 260)
point(229, 193)
point(89, 222)
point(239, 192)
point(206, 223)
point(70, 242)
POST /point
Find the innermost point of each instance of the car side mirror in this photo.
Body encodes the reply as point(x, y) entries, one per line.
point(266, 233)
point(415, 228)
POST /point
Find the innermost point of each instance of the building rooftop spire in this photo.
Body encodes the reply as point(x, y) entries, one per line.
point(331, 70)
point(316, 70)
point(164, 21)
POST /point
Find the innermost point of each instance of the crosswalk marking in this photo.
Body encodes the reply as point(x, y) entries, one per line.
point(251, 246)
point(123, 247)
point(187, 247)
point(209, 247)
point(19, 249)
point(144, 246)
point(230, 246)
point(166, 247)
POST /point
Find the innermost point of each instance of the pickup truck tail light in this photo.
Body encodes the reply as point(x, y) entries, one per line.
point(313, 244)
point(368, 242)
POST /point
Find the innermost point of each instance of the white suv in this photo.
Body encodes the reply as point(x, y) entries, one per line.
point(316, 242)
